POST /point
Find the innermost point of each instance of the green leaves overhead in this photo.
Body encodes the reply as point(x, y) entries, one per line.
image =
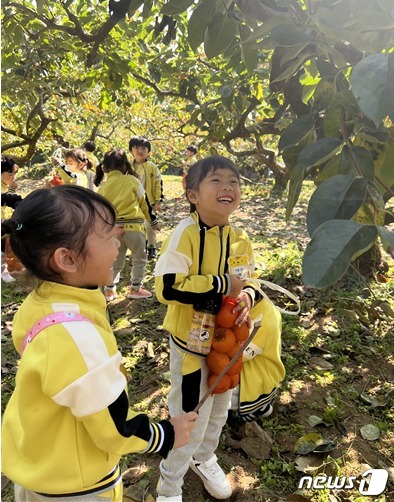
point(372, 83)
point(337, 198)
point(219, 34)
point(288, 34)
point(357, 160)
point(176, 6)
point(295, 132)
point(334, 245)
point(387, 239)
point(318, 152)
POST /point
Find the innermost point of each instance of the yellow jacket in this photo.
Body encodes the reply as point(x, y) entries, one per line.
point(150, 176)
point(193, 270)
point(129, 198)
point(68, 421)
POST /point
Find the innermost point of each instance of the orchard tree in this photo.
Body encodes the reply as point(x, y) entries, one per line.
point(304, 87)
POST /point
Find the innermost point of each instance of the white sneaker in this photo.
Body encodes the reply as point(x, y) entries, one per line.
point(162, 498)
point(213, 477)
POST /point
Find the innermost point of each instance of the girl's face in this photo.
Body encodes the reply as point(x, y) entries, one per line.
point(218, 196)
point(101, 250)
point(189, 153)
point(140, 153)
point(74, 165)
point(8, 178)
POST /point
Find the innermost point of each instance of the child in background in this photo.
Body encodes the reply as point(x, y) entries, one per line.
point(151, 180)
point(199, 263)
point(9, 199)
point(190, 152)
point(70, 396)
point(89, 148)
point(9, 170)
point(74, 170)
point(132, 206)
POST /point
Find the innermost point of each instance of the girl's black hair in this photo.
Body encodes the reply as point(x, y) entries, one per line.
point(7, 164)
point(63, 216)
point(192, 149)
point(201, 169)
point(139, 141)
point(114, 160)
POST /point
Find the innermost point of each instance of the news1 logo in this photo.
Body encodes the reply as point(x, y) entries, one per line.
point(373, 482)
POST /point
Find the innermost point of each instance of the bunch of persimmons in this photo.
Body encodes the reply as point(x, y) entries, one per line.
point(227, 340)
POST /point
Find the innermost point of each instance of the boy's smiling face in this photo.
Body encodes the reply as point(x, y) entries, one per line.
point(218, 196)
point(140, 153)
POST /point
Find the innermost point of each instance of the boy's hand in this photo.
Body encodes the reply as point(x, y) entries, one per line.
point(157, 207)
point(182, 427)
point(236, 285)
point(244, 304)
point(54, 160)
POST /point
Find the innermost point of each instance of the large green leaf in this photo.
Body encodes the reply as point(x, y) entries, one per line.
point(219, 34)
point(318, 152)
point(295, 132)
point(297, 176)
point(334, 245)
point(387, 238)
point(288, 34)
point(249, 50)
point(357, 160)
point(372, 83)
point(384, 164)
point(337, 198)
point(198, 22)
point(176, 6)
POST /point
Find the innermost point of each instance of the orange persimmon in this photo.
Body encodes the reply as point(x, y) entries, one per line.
point(216, 362)
point(241, 332)
point(223, 340)
point(235, 368)
point(222, 386)
point(225, 317)
point(234, 381)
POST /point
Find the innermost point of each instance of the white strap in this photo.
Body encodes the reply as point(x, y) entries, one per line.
point(275, 287)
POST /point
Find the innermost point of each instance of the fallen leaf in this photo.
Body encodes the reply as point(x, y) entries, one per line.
point(370, 432)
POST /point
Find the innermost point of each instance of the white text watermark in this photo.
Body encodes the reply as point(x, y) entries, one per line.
point(373, 482)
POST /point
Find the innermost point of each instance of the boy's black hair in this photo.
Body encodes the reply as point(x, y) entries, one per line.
point(89, 146)
point(192, 148)
point(62, 216)
point(139, 141)
point(7, 164)
point(201, 169)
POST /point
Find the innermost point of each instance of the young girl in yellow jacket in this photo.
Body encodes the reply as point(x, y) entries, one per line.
point(132, 206)
point(68, 420)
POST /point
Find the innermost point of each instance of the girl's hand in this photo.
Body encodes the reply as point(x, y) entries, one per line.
point(244, 304)
point(236, 285)
point(54, 160)
point(182, 427)
point(157, 207)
